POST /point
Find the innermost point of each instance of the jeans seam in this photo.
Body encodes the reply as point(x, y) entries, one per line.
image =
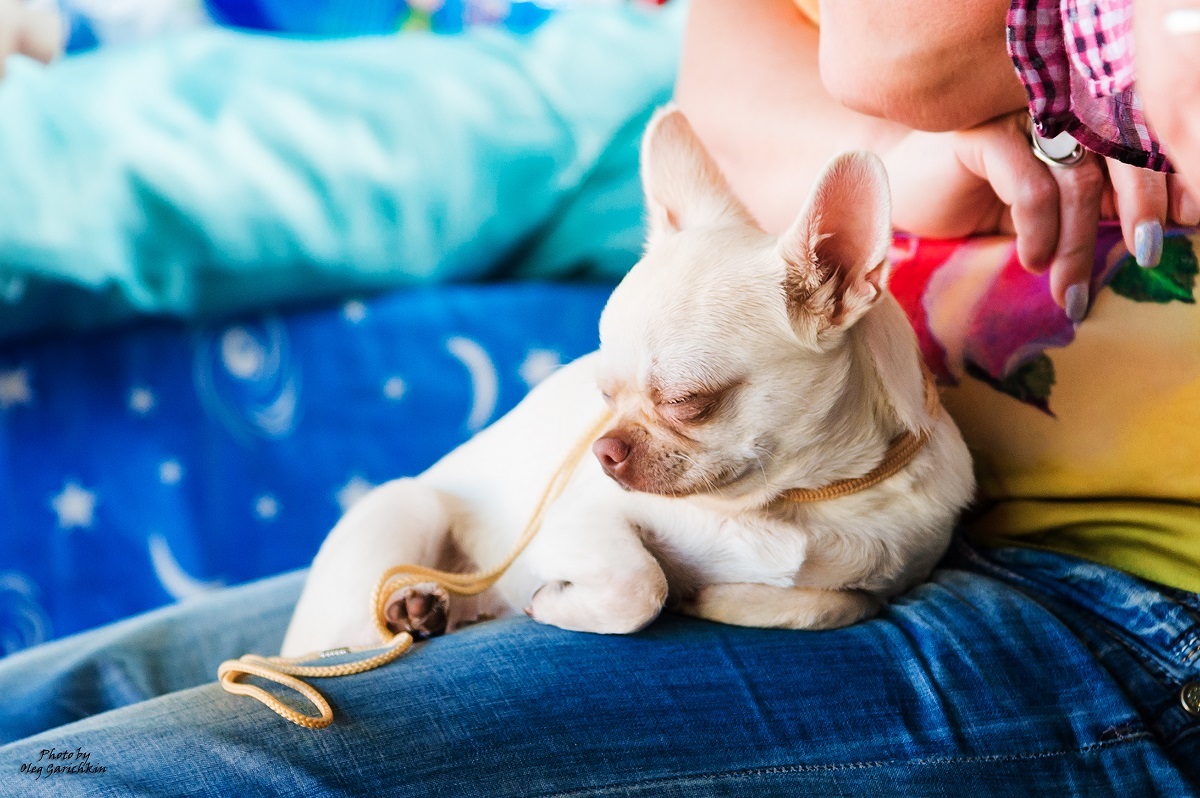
point(1191, 653)
point(1146, 658)
point(1038, 595)
point(1160, 666)
point(1135, 737)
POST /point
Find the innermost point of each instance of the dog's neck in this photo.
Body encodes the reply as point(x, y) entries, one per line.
point(858, 427)
point(855, 432)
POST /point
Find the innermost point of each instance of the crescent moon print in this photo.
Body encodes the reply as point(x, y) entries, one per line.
point(485, 385)
point(178, 583)
point(23, 621)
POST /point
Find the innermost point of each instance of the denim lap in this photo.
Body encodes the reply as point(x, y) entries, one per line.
point(966, 685)
point(159, 652)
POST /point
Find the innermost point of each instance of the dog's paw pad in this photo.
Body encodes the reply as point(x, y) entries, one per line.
point(421, 610)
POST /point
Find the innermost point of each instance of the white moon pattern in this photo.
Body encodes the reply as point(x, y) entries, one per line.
point(178, 583)
point(485, 385)
point(244, 356)
point(247, 379)
point(23, 622)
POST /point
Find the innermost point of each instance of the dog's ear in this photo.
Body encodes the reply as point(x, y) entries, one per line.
point(684, 187)
point(836, 250)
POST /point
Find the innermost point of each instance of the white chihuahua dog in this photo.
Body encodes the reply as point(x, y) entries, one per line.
point(736, 367)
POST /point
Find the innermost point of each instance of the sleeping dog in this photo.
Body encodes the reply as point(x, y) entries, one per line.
point(738, 369)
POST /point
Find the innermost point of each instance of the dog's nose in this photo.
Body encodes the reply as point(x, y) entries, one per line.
point(611, 452)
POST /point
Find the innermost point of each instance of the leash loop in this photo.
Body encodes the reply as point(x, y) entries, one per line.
point(287, 671)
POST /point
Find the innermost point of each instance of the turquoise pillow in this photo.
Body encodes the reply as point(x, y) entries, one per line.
point(219, 172)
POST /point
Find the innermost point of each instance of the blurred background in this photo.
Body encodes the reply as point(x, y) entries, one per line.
point(90, 23)
point(257, 257)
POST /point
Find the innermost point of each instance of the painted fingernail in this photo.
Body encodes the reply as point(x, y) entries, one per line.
point(1148, 243)
point(1077, 302)
point(1182, 21)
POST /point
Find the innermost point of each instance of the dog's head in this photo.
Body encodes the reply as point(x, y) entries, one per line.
point(726, 350)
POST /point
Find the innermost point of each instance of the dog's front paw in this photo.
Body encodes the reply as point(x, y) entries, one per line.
point(421, 610)
point(616, 607)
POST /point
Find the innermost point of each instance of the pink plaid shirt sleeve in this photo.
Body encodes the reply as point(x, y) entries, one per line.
point(1075, 58)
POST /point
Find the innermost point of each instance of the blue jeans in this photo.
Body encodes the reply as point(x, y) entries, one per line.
point(1011, 672)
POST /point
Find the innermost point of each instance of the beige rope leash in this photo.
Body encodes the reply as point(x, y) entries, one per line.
point(286, 671)
point(899, 454)
point(472, 584)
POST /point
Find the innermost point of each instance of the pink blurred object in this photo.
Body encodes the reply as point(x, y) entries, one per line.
point(977, 313)
point(1075, 58)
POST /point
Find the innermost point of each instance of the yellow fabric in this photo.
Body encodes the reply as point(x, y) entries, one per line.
point(810, 9)
point(1114, 476)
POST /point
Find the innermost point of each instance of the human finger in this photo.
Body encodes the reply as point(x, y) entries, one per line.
point(1167, 43)
point(1108, 203)
point(10, 26)
point(1080, 189)
point(40, 35)
point(1184, 209)
point(999, 152)
point(1141, 200)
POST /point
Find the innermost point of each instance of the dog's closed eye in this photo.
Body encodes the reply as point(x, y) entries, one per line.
point(689, 409)
point(693, 407)
point(677, 403)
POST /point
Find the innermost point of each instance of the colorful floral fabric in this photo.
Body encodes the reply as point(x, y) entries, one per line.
point(1075, 58)
point(1084, 437)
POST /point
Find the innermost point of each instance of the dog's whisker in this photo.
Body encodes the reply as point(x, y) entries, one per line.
point(706, 481)
point(761, 468)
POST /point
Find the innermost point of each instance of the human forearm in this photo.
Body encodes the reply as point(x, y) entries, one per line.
point(749, 83)
point(1168, 78)
point(931, 65)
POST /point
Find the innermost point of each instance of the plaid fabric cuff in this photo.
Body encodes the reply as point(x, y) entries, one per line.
point(1075, 58)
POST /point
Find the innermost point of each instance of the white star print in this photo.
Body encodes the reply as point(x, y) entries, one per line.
point(13, 290)
point(267, 507)
point(352, 491)
point(14, 388)
point(170, 472)
point(354, 311)
point(75, 506)
point(141, 401)
point(538, 365)
point(394, 388)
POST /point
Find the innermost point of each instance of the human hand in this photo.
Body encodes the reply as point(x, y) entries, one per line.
point(987, 180)
point(1167, 46)
point(34, 32)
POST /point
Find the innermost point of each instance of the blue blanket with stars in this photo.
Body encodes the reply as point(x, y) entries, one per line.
point(151, 465)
